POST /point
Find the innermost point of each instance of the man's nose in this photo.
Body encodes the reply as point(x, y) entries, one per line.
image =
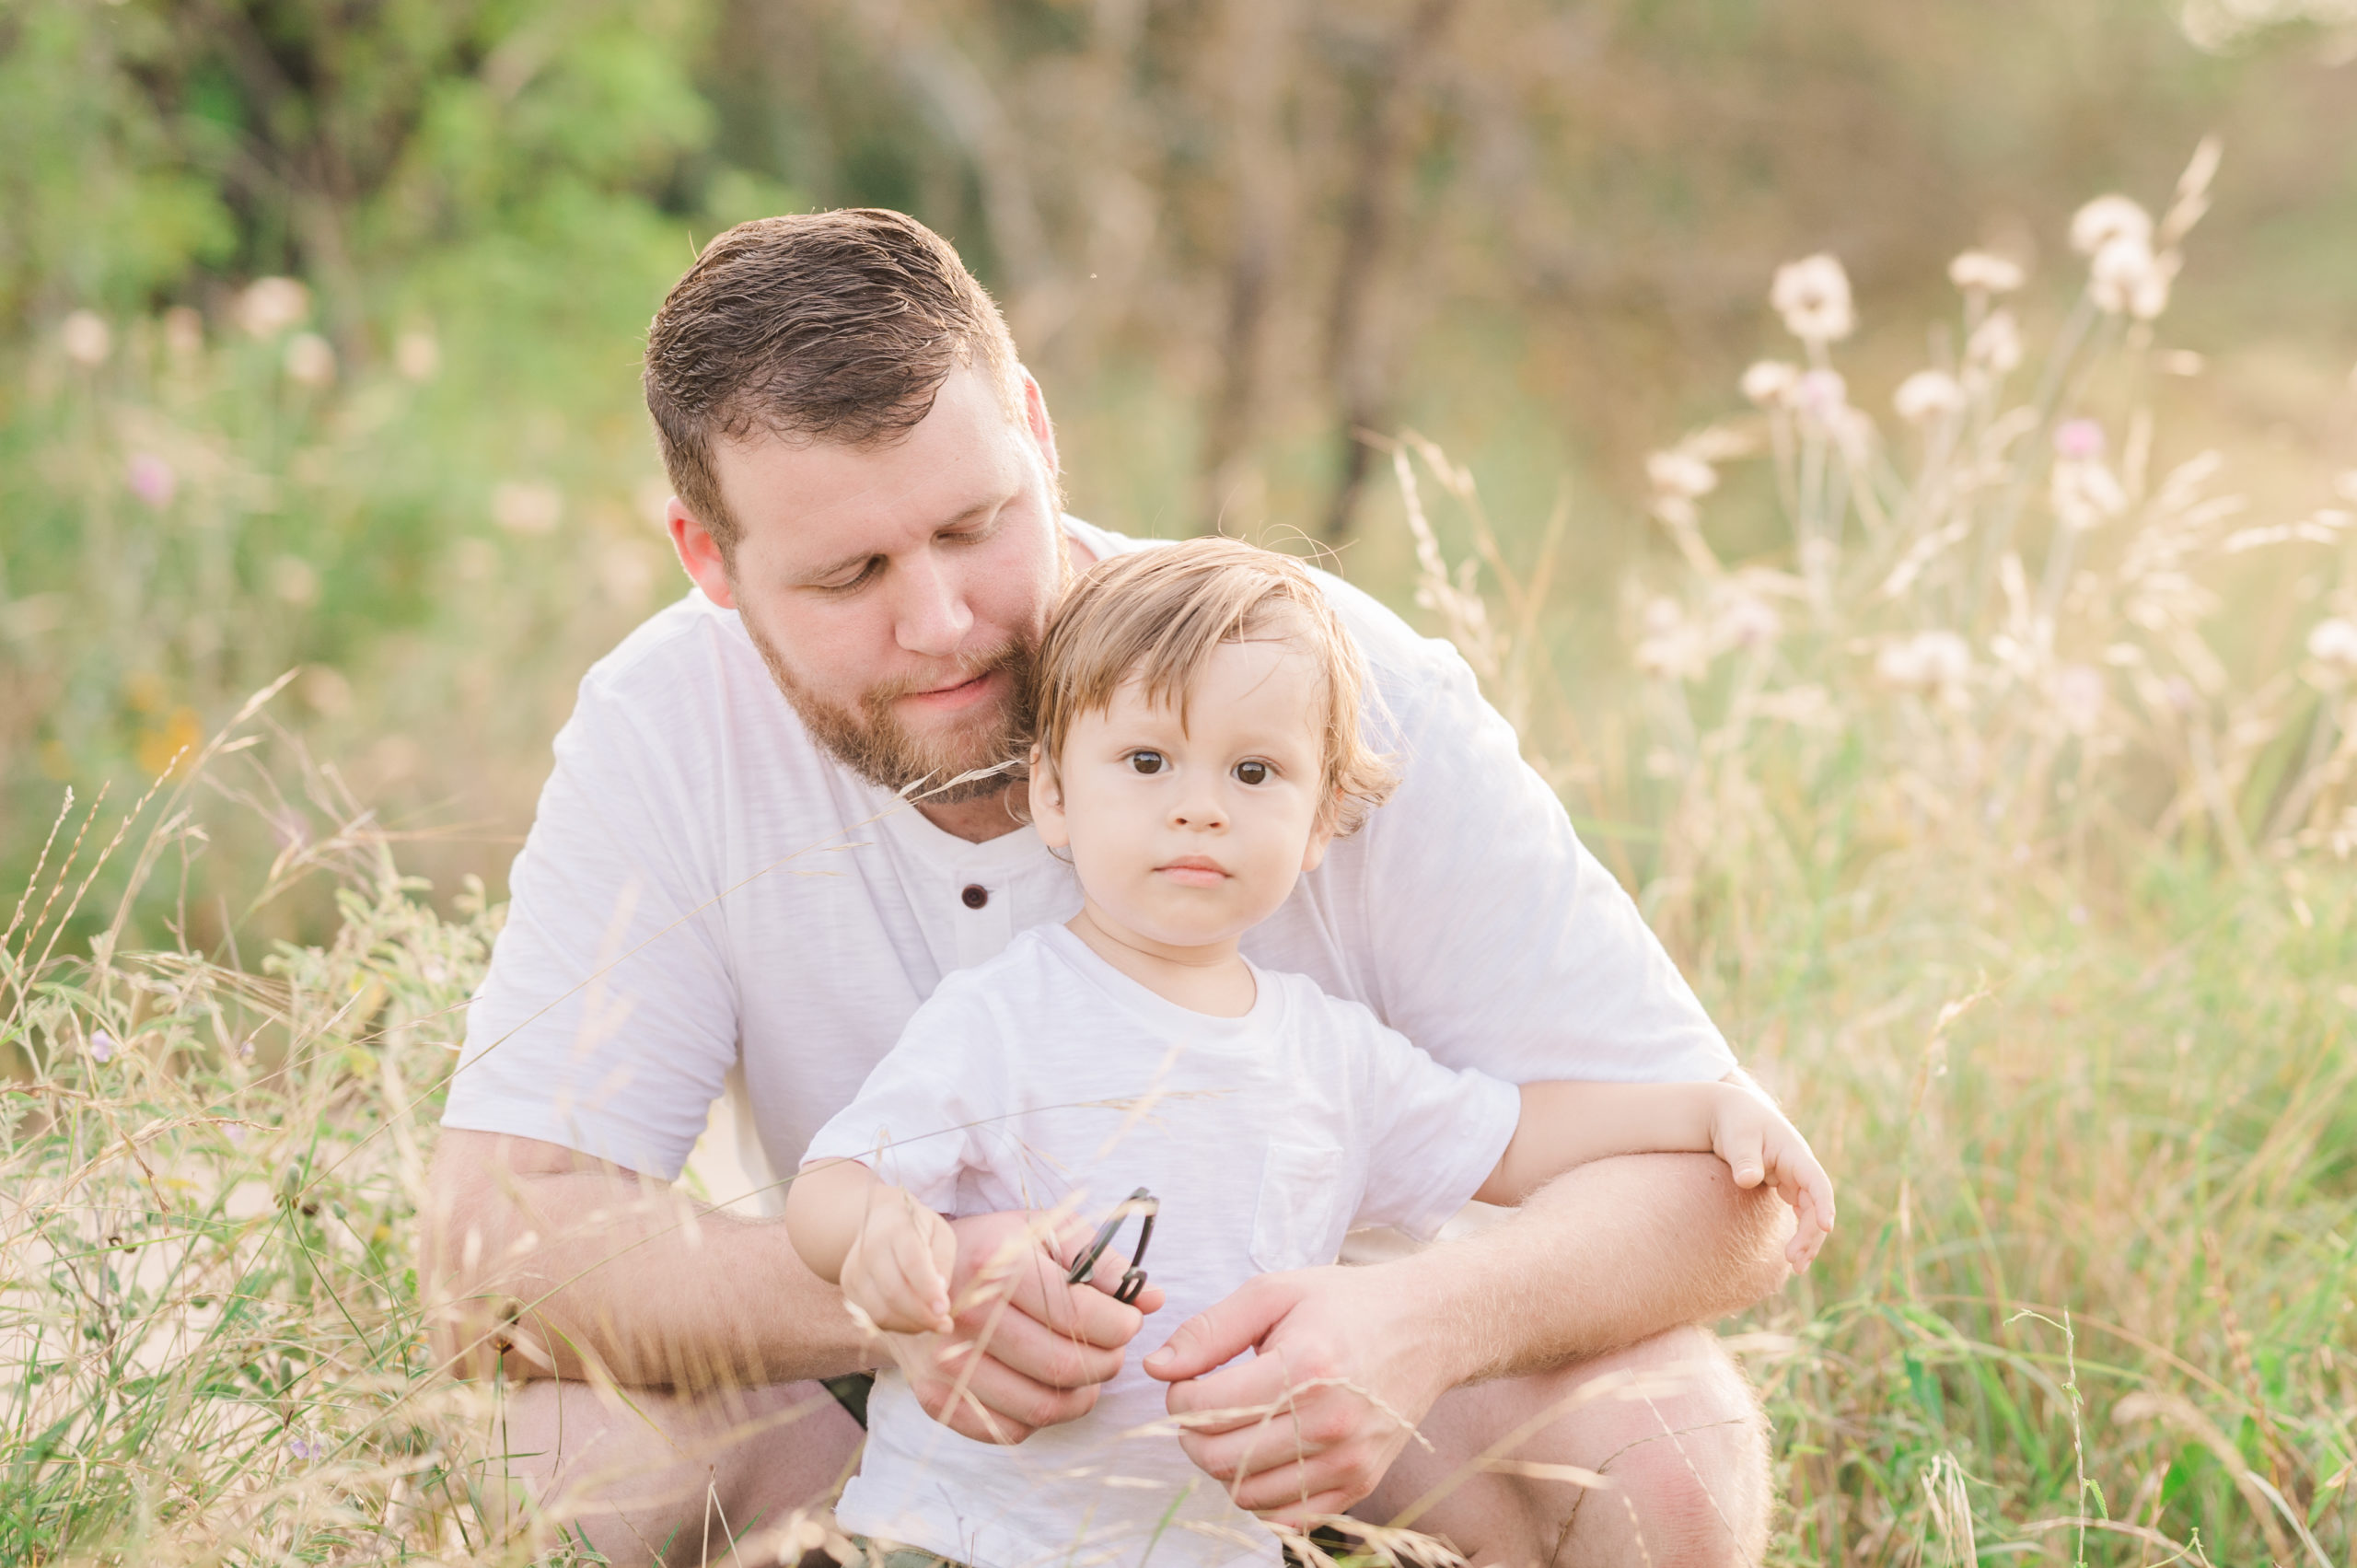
point(931, 614)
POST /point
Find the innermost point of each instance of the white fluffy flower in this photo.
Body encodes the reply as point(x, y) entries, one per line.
point(1926, 661)
point(2078, 692)
point(417, 355)
point(1995, 344)
point(1741, 619)
point(1927, 395)
point(2108, 219)
point(269, 305)
point(309, 361)
point(2333, 644)
point(86, 338)
point(1670, 646)
point(1680, 473)
point(1769, 380)
point(1979, 272)
point(2086, 494)
point(1812, 297)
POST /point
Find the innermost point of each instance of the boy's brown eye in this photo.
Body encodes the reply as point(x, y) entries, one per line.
point(1252, 773)
point(1147, 761)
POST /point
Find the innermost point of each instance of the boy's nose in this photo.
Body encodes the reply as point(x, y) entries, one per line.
point(1199, 810)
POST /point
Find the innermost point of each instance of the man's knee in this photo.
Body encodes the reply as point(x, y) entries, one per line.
point(655, 1479)
point(1682, 1445)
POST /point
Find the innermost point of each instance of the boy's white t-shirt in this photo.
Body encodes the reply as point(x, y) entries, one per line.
point(708, 900)
point(1045, 1076)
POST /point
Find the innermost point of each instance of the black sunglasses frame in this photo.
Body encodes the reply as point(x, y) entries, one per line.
point(1134, 1278)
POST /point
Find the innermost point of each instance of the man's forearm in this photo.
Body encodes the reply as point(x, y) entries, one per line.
point(557, 1272)
point(1603, 1256)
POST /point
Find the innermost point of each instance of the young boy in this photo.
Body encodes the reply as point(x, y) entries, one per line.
point(1196, 718)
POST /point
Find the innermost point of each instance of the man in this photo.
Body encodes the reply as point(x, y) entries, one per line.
point(778, 817)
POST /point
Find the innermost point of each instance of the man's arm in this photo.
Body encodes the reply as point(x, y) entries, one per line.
point(1605, 1255)
point(576, 1265)
point(548, 1263)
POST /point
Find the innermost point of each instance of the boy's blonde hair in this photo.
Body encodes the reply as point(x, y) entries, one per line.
point(1153, 615)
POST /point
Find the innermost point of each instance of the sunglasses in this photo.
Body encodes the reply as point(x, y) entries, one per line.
point(1141, 1202)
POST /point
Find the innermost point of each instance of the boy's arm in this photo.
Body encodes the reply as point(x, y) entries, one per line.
point(891, 1255)
point(1564, 1124)
point(1567, 1124)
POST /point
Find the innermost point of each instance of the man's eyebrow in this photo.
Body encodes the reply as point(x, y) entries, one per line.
point(860, 558)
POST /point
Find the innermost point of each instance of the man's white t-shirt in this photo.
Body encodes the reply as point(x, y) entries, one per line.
point(705, 890)
point(1045, 1077)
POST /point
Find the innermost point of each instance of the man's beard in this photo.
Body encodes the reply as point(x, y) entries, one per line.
point(876, 745)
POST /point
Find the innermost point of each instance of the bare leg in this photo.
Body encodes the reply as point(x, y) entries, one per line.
point(672, 1481)
point(1670, 1423)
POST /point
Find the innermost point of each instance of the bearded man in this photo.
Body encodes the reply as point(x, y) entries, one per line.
point(779, 816)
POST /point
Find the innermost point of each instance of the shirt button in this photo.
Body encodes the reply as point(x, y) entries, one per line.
point(975, 895)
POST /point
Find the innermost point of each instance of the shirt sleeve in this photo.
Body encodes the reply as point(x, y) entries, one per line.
point(607, 1022)
point(915, 1121)
point(1492, 937)
point(1432, 1134)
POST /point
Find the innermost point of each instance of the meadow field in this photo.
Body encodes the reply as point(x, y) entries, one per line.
point(1962, 672)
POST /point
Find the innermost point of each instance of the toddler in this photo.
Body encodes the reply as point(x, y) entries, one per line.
point(1196, 716)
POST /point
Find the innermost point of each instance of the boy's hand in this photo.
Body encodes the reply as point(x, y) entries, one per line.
point(1759, 1145)
point(897, 1269)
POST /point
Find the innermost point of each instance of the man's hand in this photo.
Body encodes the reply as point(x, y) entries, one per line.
point(1344, 1370)
point(1026, 1349)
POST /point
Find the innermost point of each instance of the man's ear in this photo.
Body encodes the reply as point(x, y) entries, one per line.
point(1048, 804)
point(1035, 418)
point(698, 553)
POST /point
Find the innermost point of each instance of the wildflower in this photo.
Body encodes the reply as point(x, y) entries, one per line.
point(184, 332)
point(1680, 473)
point(2085, 493)
point(2106, 220)
point(2126, 277)
point(305, 1447)
point(526, 508)
point(86, 338)
point(102, 1046)
point(309, 361)
point(2078, 439)
point(151, 479)
point(1767, 381)
point(417, 355)
point(1743, 619)
point(1926, 395)
point(1926, 661)
point(1812, 297)
point(2333, 644)
point(2078, 694)
point(1978, 271)
point(269, 305)
point(1995, 344)
point(1671, 646)
point(1821, 395)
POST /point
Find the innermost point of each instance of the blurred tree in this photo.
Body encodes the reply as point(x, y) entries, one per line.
point(343, 143)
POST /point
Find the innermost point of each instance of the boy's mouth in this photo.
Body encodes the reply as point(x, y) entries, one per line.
point(1193, 871)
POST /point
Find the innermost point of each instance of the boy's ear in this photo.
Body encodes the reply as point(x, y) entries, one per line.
point(1047, 804)
point(1321, 837)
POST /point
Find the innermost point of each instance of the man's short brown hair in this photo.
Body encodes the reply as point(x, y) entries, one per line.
point(818, 327)
point(1155, 615)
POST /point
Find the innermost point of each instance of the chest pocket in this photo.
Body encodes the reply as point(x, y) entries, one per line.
point(1303, 1208)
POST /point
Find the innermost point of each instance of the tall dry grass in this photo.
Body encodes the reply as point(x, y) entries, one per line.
point(2022, 877)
